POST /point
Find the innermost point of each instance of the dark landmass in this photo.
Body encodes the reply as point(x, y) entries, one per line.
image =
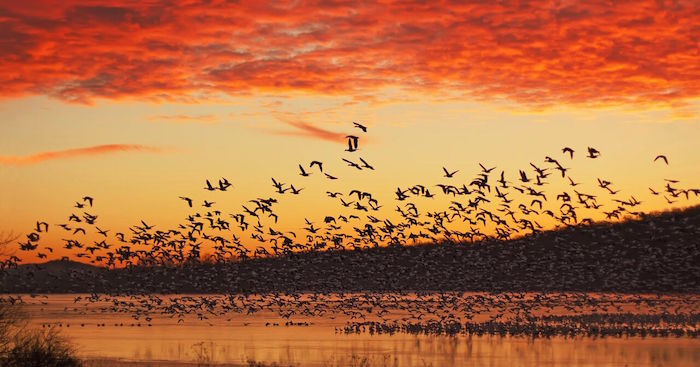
point(657, 253)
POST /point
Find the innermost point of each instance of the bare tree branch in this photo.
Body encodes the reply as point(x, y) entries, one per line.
point(6, 238)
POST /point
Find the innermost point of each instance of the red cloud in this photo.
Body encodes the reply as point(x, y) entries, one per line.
point(309, 130)
point(204, 119)
point(77, 152)
point(561, 52)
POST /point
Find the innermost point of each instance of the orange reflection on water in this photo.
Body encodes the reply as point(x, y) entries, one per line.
point(100, 333)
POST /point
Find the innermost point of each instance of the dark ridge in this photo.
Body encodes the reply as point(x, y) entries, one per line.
point(656, 253)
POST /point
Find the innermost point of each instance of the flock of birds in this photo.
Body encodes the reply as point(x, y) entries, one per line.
point(532, 314)
point(492, 205)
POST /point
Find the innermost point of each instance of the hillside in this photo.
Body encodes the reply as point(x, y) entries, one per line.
point(658, 253)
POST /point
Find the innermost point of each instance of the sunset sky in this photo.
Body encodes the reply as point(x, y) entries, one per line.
point(139, 102)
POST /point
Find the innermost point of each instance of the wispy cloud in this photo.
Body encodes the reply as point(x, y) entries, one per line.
point(77, 152)
point(311, 131)
point(202, 119)
point(571, 52)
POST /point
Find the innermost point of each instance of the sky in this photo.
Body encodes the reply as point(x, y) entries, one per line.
point(136, 103)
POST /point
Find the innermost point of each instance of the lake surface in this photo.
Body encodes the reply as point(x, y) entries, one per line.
point(238, 338)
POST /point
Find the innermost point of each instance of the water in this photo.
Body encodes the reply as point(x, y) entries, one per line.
point(239, 338)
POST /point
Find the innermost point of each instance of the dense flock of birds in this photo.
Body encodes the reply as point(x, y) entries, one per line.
point(484, 207)
point(532, 314)
point(491, 206)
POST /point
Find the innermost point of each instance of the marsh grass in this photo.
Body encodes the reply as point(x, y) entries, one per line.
point(21, 346)
point(203, 353)
point(353, 360)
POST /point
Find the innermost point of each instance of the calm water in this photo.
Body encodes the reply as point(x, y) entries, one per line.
point(239, 338)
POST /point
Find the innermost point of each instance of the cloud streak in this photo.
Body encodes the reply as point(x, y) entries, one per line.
point(306, 129)
point(570, 52)
point(77, 152)
point(202, 119)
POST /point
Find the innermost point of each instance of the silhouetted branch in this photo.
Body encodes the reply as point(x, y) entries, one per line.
point(6, 238)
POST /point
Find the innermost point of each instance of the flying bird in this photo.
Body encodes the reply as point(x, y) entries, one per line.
point(352, 164)
point(316, 163)
point(523, 176)
point(593, 153)
point(568, 150)
point(486, 170)
point(502, 180)
point(39, 225)
point(352, 143)
point(661, 156)
point(303, 173)
point(224, 184)
point(188, 200)
point(366, 165)
point(449, 174)
point(360, 126)
point(296, 191)
point(101, 231)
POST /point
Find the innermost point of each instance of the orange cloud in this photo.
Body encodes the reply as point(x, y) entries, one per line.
point(77, 152)
point(309, 130)
point(204, 119)
point(532, 52)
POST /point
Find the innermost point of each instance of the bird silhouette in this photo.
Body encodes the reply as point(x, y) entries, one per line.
point(593, 153)
point(662, 157)
point(523, 176)
point(449, 174)
point(296, 191)
point(303, 172)
point(352, 164)
point(352, 143)
point(366, 165)
point(316, 163)
point(224, 184)
point(209, 187)
point(40, 225)
point(360, 126)
point(568, 150)
point(188, 200)
point(486, 170)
